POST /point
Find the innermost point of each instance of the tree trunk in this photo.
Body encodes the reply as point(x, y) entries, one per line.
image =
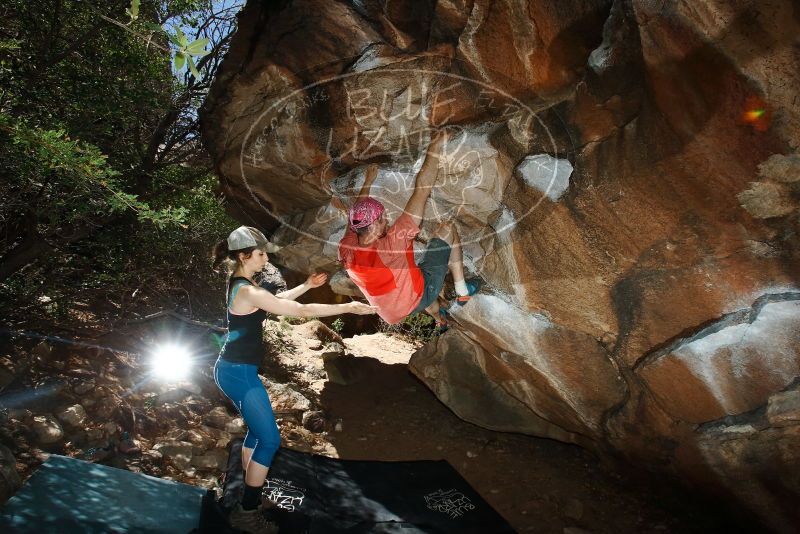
point(23, 255)
point(35, 246)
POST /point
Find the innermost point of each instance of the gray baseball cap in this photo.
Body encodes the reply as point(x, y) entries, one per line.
point(247, 236)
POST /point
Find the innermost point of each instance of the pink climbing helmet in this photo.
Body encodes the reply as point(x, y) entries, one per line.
point(365, 212)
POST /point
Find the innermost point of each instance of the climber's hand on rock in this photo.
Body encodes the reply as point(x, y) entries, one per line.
point(437, 149)
point(438, 139)
point(371, 174)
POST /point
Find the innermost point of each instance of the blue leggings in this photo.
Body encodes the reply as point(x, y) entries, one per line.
point(240, 383)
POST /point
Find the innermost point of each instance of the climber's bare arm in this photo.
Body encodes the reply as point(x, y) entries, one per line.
point(426, 177)
point(261, 298)
point(369, 179)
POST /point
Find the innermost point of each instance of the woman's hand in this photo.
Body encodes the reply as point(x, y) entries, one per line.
point(316, 280)
point(359, 308)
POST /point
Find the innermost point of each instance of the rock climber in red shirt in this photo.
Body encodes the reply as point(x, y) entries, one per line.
point(379, 257)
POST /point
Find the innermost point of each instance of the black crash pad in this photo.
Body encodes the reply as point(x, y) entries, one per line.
point(315, 494)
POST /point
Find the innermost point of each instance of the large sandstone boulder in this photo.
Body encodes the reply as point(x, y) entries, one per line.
point(624, 175)
point(528, 362)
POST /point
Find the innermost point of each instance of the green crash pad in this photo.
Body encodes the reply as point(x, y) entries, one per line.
point(66, 495)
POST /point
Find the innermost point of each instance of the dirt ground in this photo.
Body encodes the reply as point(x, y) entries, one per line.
point(384, 413)
point(538, 485)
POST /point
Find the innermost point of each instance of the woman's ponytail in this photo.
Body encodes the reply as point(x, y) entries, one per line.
point(220, 254)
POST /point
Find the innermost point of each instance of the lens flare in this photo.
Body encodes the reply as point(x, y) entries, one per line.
point(756, 114)
point(171, 362)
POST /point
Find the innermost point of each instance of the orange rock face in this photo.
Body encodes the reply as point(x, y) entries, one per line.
point(624, 175)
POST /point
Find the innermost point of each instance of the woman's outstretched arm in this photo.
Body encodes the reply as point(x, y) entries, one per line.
point(261, 298)
point(314, 280)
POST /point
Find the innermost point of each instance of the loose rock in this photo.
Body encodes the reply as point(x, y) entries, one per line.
point(286, 397)
point(784, 409)
point(573, 509)
point(314, 421)
point(236, 427)
point(84, 386)
point(73, 416)
point(179, 453)
point(47, 429)
point(217, 418)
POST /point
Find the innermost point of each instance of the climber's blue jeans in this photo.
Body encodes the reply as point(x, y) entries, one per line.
point(240, 383)
point(434, 267)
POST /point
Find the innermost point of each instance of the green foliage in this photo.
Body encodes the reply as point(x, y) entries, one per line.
point(73, 177)
point(419, 327)
point(185, 50)
point(107, 192)
point(337, 325)
point(277, 337)
point(133, 11)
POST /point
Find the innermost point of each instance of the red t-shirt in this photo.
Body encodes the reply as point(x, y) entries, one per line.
point(385, 270)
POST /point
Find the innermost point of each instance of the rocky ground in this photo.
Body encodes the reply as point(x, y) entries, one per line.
point(351, 398)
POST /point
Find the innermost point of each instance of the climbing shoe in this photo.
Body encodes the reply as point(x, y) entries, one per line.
point(473, 285)
point(441, 326)
point(252, 521)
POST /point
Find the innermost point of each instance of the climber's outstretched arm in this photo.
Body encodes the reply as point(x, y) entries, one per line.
point(369, 179)
point(344, 204)
point(426, 177)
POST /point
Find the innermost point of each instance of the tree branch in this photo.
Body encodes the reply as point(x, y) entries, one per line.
point(175, 315)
